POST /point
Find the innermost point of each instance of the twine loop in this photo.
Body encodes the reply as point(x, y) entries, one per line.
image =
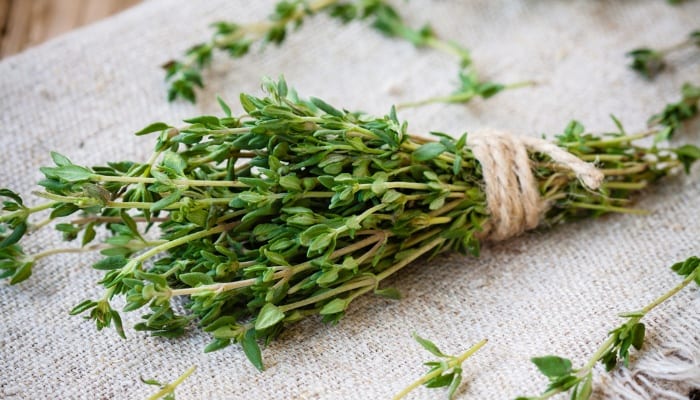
point(512, 192)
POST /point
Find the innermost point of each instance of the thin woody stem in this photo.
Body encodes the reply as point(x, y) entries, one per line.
point(452, 363)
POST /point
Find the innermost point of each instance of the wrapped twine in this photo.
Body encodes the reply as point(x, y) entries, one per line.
point(511, 189)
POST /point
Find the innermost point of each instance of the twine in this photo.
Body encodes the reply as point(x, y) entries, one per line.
point(511, 189)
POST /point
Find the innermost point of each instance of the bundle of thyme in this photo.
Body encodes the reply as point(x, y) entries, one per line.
point(295, 209)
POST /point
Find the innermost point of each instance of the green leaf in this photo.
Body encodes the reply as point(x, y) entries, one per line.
point(268, 316)
point(334, 306)
point(217, 344)
point(585, 389)
point(428, 345)
point(327, 277)
point(130, 223)
point(22, 273)
point(166, 201)
point(64, 210)
point(204, 119)
point(110, 263)
point(194, 279)
point(88, 234)
point(154, 127)
point(637, 335)
point(428, 151)
point(291, 183)
point(683, 268)
point(389, 293)
point(647, 62)
point(327, 108)
point(275, 258)
point(174, 162)
point(247, 103)
point(152, 382)
point(456, 380)
point(224, 106)
point(117, 321)
point(15, 236)
point(72, 173)
point(440, 381)
point(687, 154)
point(321, 242)
point(14, 196)
point(312, 233)
point(251, 349)
point(82, 307)
point(60, 160)
point(553, 366)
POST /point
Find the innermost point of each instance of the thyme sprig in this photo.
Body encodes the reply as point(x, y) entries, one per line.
point(294, 209)
point(615, 349)
point(470, 86)
point(184, 76)
point(236, 40)
point(674, 114)
point(167, 390)
point(447, 371)
point(650, 62)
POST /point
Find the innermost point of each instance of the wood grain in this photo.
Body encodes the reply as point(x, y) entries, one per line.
point(26, 23)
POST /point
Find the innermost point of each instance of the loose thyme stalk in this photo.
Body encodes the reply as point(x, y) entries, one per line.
point(650, 62)
point(446, 372)
point(185, 75)
point(167, 390)
point(614, 349)
point(295, 209)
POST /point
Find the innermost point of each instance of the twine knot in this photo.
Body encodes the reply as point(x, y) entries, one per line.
point(512, 192)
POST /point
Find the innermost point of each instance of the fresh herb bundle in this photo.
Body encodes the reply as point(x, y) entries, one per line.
point(563, 378)
point(294, 209)
point(236, 40)
point(650, 62)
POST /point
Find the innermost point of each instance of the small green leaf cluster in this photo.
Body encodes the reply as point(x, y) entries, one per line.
point(293, 210)
point(13, 262)
point(625, 336)
point(449, 375)
point(184, 76)
point(650, 62)
point(674, 114)
point(470, 87)
point(447, 371)
point(562, 378)
point(689, 268)
point(646, 61)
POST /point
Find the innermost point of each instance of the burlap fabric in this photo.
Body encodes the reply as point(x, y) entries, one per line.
point(551, 292)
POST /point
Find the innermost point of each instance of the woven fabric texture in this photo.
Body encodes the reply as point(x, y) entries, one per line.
point(554, 291)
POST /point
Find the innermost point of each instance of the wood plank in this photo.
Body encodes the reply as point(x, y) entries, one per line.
point(97, 9)
point(64, 16)
point(17, 30)
point(24, 23)
point(4, 15)
point(40, 14)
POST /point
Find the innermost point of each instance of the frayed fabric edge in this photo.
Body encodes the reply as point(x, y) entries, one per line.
point(663, 370)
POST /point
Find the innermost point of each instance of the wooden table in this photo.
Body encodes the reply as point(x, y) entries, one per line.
point(25, 23)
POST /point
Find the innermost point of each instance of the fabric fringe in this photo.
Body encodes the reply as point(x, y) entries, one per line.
point(664, 370)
